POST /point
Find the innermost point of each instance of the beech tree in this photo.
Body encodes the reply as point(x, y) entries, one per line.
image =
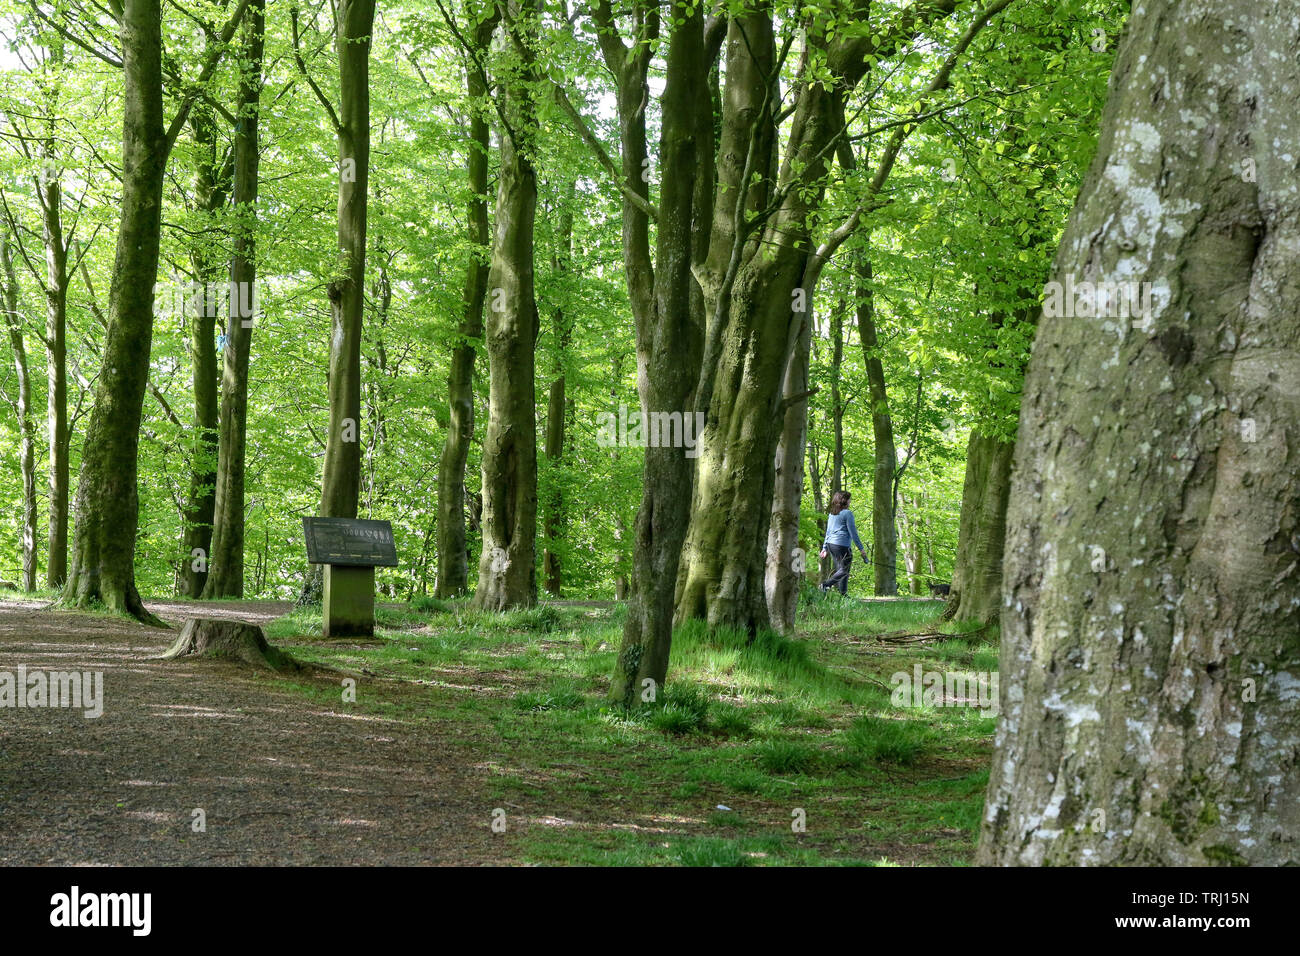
point(759, 249)
point(453, 556)
point(226, 560)
point(341, 476)
point(1151, 598)
point(507, 575)
point(665, 300)
point(102, 567)
point(22, 405)
point(210, 191)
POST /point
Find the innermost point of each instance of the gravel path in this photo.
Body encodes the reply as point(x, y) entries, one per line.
point(281, 778)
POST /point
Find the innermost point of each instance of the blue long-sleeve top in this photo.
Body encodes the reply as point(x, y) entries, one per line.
point(839, 529)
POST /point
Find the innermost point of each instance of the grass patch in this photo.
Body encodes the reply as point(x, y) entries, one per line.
point(887, 740)
point(760, 725)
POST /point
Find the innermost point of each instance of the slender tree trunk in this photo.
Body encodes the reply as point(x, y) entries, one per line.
point(507, 574)
point(667, 315)
point(837, 398)
point(102, 568)
point(908, 543)
point(821, 570)
point(1151, 595)
point(557, 406)
point(57, 280)
point(377, 390)
point(26, 424)
point(453, 561)
point(786, 559)
point(226, 565)
point(200, 503)
point(341, 478)
point(884, 534)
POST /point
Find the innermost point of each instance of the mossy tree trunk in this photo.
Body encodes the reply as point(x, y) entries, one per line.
point(666, 307)
point(977, 569)
point(341, 474)
point(107, 505)
point(759, 248)
point(748, 286)
point(1152, 601)
point(786, 559)
point(507, 573)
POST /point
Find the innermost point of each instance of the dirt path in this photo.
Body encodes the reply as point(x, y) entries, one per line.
point(282, 779)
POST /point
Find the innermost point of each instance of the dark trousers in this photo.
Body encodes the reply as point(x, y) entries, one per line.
point(843, 557)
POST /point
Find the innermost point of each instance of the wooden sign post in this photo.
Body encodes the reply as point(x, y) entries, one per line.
point(350, 549)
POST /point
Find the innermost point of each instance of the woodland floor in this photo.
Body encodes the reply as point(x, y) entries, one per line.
point(453, 723)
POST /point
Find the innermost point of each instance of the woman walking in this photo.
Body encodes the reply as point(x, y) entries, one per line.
point(840, 531)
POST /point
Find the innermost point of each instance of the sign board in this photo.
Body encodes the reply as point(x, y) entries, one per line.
point(350, 542)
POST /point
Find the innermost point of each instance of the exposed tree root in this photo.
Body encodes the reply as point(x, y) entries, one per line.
point(129, 603)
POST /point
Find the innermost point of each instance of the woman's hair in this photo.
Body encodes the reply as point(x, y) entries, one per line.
point(839, 501)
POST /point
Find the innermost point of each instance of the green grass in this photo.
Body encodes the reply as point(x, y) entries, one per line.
point(764, 727)
point(886, 740)
point(40, 594)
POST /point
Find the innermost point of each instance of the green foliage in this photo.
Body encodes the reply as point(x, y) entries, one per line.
point(959, 243)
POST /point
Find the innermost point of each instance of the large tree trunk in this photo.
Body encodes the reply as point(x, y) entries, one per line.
point(226, 566)
point(210, 196)
point(750, 281)
point(26, 424)
point(1152, 601)
point(102, 568)
point(977, 569)
point(884, 533)
point(453, 559)
point(667, 308)
point(507, 573)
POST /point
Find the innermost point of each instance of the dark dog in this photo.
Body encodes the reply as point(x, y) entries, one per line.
point(940, 590)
